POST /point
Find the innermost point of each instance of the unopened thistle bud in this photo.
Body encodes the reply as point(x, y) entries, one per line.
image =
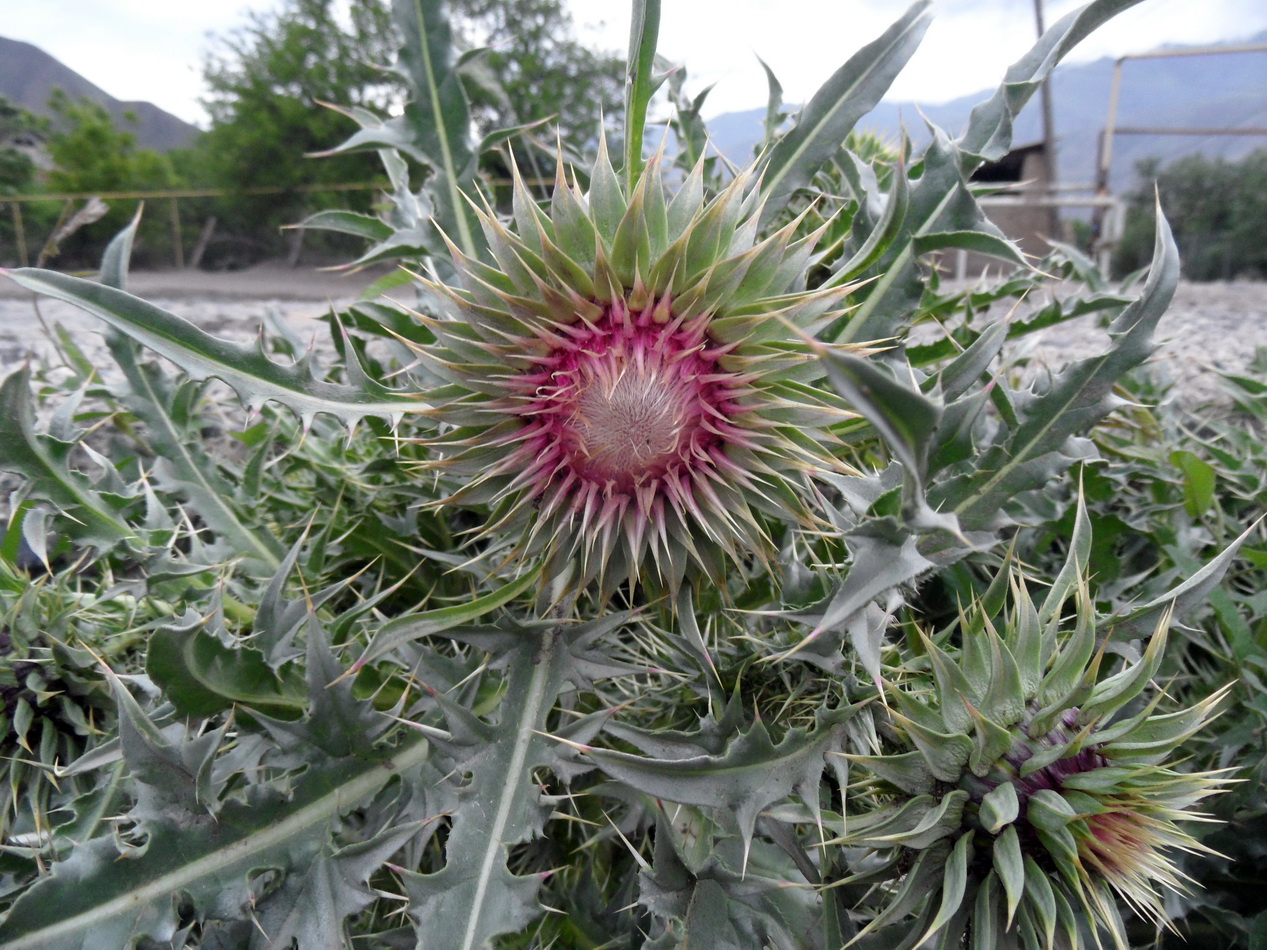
point(1029, 798)
point(630, 391)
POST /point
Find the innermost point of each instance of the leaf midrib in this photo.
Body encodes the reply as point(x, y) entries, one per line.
point(195, 473)
point(528, 720)
point(262, 841)
point(215, 361)
point(811, 136)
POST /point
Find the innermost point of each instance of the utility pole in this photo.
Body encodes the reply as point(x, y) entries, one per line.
point(1049, 132)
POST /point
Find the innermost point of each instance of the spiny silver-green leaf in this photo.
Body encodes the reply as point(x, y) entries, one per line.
point(752, 773)
point(1024, 459)
point(44, 464)
point(173, 430)
point(850, 93)
point(252, 375)
point(989, 131)
point(475, 897)
point(92, 899)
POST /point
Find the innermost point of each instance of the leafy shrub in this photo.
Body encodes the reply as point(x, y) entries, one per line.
point(1219, 207)
point(682, 564)
point(92, 155)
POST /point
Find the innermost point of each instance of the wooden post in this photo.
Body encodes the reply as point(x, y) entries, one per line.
point(19, 233)
point(295, 240)
point(1049, 136)
point(204, 238)
point(176, 242)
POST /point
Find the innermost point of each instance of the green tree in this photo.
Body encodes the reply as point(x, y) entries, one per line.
point(17, 169)
point(92, 155)
point(17, 177)
point(540, 67)
point(268, 82)
point(1219, 210)
point(1247, 225)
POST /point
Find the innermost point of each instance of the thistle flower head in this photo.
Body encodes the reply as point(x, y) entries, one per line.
point(1027, 799)
point(630, 390)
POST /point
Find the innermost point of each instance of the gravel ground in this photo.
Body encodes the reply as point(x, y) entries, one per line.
point(1209, 328)
point(230, 305)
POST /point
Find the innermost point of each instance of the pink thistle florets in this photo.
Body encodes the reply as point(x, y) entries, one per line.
point(627, 386)
point(625, 403)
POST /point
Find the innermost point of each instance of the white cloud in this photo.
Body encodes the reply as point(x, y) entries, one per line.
point(968, 46)
point(133, 49)
point(153, 49)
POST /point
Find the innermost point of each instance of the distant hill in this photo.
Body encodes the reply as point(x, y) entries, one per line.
point(28, 75)
point(1205, 91)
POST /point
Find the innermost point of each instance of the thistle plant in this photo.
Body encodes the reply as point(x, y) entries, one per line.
point(587, 588)
point(54, 704)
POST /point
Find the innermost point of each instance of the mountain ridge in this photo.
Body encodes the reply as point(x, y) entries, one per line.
point(28, 75)
point(1205, 91)
point(1196, 91)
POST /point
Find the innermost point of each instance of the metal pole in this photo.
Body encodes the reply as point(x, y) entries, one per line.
point(204, 238)
point(1190, 130)
point(1049, 127)
point(1106, 155)
point(176, 242)
point(1110, 129)
point(19, 233)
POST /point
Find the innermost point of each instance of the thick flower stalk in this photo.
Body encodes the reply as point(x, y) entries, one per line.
point(630, 389)
point(1029, 798)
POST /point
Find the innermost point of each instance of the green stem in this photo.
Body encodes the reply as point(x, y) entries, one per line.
point(644, 30)
point(237, 611)
point(450, 170)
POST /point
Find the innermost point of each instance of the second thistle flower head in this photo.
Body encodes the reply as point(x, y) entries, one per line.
point(1028, 800)
point(630, 392)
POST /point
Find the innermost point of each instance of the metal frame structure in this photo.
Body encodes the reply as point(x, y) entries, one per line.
point(1112, 129)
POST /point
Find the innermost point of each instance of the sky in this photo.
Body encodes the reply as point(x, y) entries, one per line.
point(152, 49)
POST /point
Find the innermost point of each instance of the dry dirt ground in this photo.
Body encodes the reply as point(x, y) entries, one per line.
point(1210, 328)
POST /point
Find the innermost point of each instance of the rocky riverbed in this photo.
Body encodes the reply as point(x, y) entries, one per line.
point(1210, 328)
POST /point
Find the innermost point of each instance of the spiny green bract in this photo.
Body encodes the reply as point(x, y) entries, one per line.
point(54, 634)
